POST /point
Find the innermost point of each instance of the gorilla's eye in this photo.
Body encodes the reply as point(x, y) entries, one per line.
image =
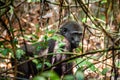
point(72, 38)
point(64, 30)
point(80, 34)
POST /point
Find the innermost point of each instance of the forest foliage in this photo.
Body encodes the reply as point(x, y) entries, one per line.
point(30, 21)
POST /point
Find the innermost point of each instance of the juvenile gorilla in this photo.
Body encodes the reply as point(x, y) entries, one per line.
point(72, 33)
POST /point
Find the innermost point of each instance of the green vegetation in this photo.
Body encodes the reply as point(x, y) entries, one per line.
point(32, 21)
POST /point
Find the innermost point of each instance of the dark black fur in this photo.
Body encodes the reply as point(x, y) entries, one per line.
point(72, 32)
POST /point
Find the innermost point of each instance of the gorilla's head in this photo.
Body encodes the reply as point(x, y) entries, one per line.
point(72, 31)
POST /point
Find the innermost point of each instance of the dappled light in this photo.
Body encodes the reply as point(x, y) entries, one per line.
point(59, 39)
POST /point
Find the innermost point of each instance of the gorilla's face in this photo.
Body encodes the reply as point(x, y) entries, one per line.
point(72, 32)
point(75, 39)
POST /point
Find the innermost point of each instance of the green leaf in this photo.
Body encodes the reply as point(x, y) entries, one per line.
point(117, 63)
point(39, 66)
point(84, 20)
point(11, 10)
point(91, 66)
point(104, 1)
point(39, 78)
point(79, 75)
point(78, 50)
point(35, 61)
point(61, 44)
point(81, 61)
point(105, 70)
point(68, 77)
point(5, 51)
point(38, 48)
point(50, 74)
point(51, 31)
point(19, 53)
point(15, 41)
point(48, 64)
point(57, 37)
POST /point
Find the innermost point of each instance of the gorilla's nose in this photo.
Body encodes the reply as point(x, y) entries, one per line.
point(77, 43)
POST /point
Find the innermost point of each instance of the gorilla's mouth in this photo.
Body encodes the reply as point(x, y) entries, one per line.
point(75, 45)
